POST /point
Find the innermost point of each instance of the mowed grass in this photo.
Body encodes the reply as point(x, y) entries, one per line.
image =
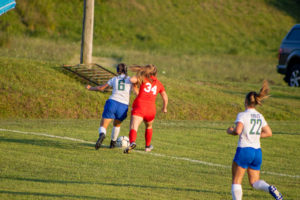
point(182, 165)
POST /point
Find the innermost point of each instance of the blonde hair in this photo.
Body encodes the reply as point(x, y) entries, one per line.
point(143, 72)
point(253, 99)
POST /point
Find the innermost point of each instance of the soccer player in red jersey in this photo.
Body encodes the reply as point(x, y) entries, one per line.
point(143, 108)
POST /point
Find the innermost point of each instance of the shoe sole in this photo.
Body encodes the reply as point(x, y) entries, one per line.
point(99, 142)
point(128, 149)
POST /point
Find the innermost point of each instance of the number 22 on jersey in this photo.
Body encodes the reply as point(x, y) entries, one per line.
point(256, 126)
point(149, 88)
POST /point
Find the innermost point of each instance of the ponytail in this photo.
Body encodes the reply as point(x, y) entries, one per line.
point(253, 99)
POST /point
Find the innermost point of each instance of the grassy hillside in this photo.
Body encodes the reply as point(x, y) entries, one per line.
point(181, 38)
point(33, 85)
point(180, 26)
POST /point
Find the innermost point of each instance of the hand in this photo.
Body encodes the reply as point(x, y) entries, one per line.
point(164, 110)
point(230, 130)
point(88, 87)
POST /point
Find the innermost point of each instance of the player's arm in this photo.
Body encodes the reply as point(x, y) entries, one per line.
point(266, 132)
point(134, 81)
point(237, 130)
point(165, 101)
point(97, 88)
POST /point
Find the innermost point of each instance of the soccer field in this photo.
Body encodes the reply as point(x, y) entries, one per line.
point(56, 159)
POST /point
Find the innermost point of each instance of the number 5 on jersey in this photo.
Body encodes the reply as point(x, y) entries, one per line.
point(149, 88)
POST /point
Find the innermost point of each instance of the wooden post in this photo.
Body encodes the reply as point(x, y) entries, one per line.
point(87, 32)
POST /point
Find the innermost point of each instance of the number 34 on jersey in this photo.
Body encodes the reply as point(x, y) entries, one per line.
point(149, 89)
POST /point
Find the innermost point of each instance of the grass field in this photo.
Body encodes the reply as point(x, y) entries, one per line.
point(191, 160)
point(209, 54)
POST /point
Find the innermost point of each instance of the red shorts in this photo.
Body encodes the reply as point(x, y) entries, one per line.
point(144, 110)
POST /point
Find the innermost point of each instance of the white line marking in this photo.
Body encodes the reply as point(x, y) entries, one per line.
point(47, 135)
point(151, 153)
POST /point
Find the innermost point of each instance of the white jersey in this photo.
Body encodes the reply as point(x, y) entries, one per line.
point(121, 88)
point(253, 122)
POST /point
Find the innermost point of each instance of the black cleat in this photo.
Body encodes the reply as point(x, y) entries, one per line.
point(99, 141)
point(112, 144)
point(130, 147)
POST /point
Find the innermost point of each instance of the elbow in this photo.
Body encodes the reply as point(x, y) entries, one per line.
point(236, 133)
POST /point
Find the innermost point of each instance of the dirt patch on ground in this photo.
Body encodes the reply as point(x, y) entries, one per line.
point(109, 63)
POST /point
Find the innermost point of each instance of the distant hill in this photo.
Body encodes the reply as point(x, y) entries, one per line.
point(179, 26)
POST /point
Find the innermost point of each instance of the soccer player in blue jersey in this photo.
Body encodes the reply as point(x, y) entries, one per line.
point(116, 106)
point(250, 126)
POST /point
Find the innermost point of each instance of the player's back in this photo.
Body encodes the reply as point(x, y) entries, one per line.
point(253, 122)
point(121, 88)
point(149, 90)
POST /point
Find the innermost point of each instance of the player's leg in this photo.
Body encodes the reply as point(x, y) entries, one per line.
point(120, 115)
point(148, 135)
point(115, 133)
point(237, 178)
point(102, 131)
point(134, 125)
point(254, 179)
point(108, 115)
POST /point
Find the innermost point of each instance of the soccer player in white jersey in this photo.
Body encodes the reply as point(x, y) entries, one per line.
point(250, 125)
point(116, 106)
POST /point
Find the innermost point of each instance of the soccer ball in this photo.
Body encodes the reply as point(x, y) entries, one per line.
point(123, 141)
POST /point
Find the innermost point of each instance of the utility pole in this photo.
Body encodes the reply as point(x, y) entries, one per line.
point(87, 32)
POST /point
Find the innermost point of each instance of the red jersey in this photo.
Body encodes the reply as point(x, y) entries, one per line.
point(144, 103)
point(148, 91)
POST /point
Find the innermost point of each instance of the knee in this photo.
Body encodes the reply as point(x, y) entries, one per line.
point(149, 126)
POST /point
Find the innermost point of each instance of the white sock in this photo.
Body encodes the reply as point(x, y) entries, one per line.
point(261, 185)
point(115, 133)
point(236, 191)
point(102, 130)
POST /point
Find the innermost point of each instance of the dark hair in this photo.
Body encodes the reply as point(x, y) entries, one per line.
point(252, 98)
point(122, 69)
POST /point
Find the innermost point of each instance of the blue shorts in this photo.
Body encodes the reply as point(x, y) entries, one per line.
point(248, 157)
point(115, 110)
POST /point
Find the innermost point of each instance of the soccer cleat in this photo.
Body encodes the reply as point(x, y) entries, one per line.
point(148, 148)
point(112, 144)
point(99, 141)
point(275, 193)
point(130, 147)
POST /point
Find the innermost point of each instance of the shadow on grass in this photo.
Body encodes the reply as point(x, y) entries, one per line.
point(112, 184)
point(284, 133)
point(290, 7)
point(49, 143)
point(284, 96)
point(52, 195)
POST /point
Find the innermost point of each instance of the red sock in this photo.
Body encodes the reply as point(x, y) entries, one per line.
point(148, 136)
point(132, 135)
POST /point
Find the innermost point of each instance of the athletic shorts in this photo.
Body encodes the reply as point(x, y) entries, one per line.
point(147, 112)
point(248, 157)
point(115, 110)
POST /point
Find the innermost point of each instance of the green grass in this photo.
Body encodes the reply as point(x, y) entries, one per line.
point(209, 55)
point(39, 167)
point(33, 84)
point(191, 27)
